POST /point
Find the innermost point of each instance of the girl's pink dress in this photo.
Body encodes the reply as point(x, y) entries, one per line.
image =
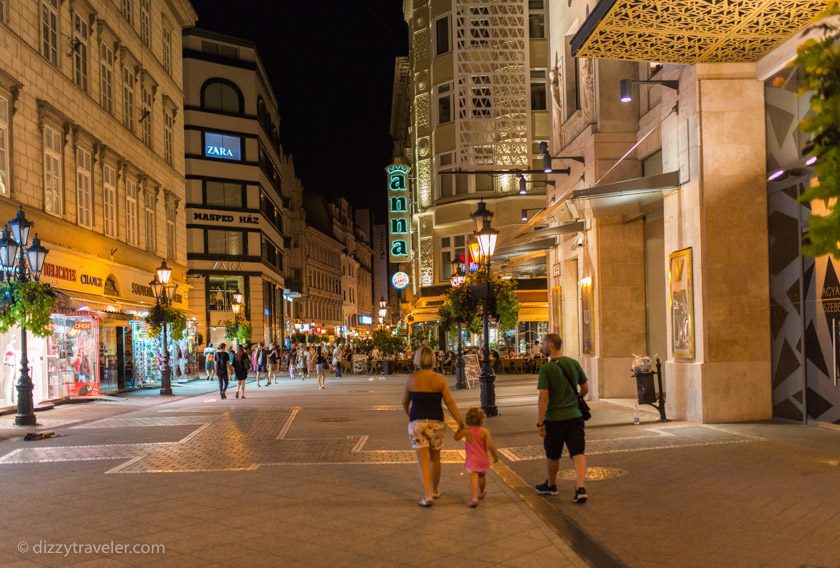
point(477, 459)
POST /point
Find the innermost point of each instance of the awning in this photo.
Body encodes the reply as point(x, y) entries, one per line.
point(691, 31)
point(533, 314)
point(73, 300)
point(541, 239)
point(648, 184)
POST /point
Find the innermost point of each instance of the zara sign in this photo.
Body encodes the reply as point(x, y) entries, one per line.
point(222, 146)
point(399, 213)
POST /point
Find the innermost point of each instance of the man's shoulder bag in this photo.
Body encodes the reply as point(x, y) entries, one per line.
point(584, 408)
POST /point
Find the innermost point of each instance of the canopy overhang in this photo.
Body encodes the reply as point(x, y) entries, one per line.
point(691, 31)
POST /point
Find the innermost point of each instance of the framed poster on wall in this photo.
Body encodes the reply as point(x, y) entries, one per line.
point(681, 295)
point(587, 340)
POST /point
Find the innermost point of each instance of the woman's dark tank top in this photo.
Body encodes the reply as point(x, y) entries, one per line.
point(426, 406)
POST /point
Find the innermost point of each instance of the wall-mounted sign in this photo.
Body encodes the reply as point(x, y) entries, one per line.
point(400, 280)
point(205, 217)
point(365, 320)
point(222, 146)
point(399, 213)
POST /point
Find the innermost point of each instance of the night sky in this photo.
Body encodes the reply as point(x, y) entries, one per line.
point(331, 65)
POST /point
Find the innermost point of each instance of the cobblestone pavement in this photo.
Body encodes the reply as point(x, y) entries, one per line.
point(294, 476)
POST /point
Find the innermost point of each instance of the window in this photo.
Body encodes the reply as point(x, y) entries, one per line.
point(106, 77)
point(128, 99)
point(538, 90)
point(4, 146)
point(84, 198)
point(571, 78)
point(149, 218)
point(536, 19)
point(80, 52)
point(53, 160)
point(220, 49)
point(49, 30)
point(146, 116)
point(221, 96)
point(2, 10)
point(271, 254)
point(171, 234)
point(168, 129)
point(221, 289)
point(446, 182)
point(131, 212)
point(225, 242)
point(145, 24)
point(167, 47)
point(222, 146)
point(109, 200)
point(442, 36)
point(451, 248)
point(128, 11)
point(482, 97)
point(444, 103)
point(224, 194)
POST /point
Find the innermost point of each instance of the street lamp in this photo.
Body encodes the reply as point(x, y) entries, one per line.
point(457, 278)
point(383, 310)
point(22, 263)
point(164, 290)
point(486, 236)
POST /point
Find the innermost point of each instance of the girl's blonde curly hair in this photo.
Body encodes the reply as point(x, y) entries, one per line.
point(475, 417)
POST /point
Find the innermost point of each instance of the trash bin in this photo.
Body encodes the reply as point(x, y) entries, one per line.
point(645, 388)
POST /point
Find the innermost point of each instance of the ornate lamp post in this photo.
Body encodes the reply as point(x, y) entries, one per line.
point(164, 291)
point(383, 311)
point(22, 263)
point(457, 278)
point(486, 237)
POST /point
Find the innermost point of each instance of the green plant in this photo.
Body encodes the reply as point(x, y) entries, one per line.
point(240, 330)
point(464, 303)
point(819, 59)
point(298, 337)
point(388, 344)
point(161, 315)
point(27, 304)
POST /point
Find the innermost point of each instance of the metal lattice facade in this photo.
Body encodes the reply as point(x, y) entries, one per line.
point(491, 83)
point(696, 31)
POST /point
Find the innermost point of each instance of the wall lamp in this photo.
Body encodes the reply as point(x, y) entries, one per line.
point(523, 183)
point(525, 212)
point(626, 87)
point(547, 158)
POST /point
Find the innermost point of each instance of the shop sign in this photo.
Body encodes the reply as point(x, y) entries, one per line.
point(224, 219)
point(82, 325)
point(146, 290)
point(318, 329)
point(365, 320)
point(399, 217)
point(400, 280)
point(222, 146)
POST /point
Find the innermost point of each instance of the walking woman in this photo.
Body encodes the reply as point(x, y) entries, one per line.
point(321, 367)
point(209, 361)
point(293, 355)
point(241, 366)
point(222, 363)
point(425, 390)
point(273, 359)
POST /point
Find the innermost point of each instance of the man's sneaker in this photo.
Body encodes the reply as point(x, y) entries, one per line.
point(580, 495)
point(546, 489)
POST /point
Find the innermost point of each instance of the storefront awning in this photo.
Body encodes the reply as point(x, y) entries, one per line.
point(691, 31)
point(540, 239)
point(635, 186)
point(70, 300)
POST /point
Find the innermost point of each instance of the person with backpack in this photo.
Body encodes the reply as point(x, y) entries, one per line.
point(222, 362)
point(261, 362)
point(561, 415)
point(209, 361)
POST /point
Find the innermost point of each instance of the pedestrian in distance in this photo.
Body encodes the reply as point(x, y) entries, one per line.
point(425, 392)
point(209, 361)
point(293, 355)
point(336, 360)
point(241, 366)
point(321, 367)
point(560, 420)
point(478, 445)
point(273, 361)
point(222, 363)
point(261, 362)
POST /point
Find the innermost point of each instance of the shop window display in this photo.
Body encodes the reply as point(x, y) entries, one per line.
point(10, 345)
point(73, 356)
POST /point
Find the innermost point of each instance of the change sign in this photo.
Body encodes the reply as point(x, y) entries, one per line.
point(399, 213)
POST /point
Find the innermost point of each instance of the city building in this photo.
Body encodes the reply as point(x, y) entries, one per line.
point(472, 98)
point(321, 305)
point(91, 148)
point(240, 187)
point(679, 234)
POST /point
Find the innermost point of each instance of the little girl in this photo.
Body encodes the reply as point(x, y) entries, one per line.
point(478, 444)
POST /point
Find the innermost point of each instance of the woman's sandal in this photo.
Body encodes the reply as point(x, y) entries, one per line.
point(425, 503)
point(473, 504)
point(436, 495)
point(482, 494)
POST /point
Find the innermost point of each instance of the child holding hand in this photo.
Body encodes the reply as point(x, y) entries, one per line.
point(479, 447)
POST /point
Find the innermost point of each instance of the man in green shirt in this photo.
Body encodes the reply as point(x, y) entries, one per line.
point(559, 420)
